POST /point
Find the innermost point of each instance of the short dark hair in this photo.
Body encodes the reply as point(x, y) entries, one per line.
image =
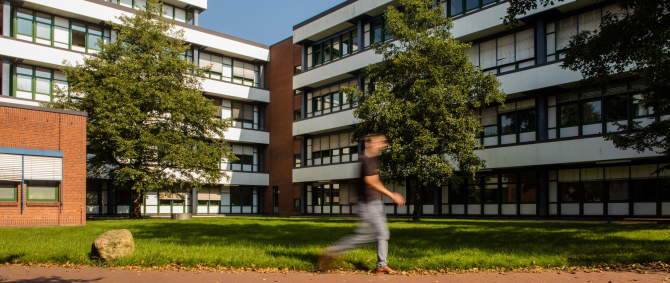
point(368, 138)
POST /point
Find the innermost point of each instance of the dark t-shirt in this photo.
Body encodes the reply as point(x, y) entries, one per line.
point(368, 168)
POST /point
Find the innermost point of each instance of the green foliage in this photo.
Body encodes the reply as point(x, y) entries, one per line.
point(635, 43)
point(422, 96)
point(272, 242)
point(149, 127)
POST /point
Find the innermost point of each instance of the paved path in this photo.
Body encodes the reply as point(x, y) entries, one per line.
point(85, 275)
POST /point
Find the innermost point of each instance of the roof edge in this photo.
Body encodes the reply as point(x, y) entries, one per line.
point(324, 13)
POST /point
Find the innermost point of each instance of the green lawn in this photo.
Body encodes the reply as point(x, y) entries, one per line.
point(293, 242)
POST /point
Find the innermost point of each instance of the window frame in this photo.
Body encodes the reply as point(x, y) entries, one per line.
point(15, 186)
point(56, 188)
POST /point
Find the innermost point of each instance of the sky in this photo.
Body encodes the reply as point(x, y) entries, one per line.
point(262, 21)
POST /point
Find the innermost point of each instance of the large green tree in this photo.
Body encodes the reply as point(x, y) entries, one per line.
point(422, 96)
point(634, 42)
point(149, 128)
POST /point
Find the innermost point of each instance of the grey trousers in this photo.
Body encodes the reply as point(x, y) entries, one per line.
point(372, 228)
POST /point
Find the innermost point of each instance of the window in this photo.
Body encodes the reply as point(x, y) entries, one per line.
point(209, 196)
point(297, 92)
point(509, 186)
point(247, 159)
point(528, 186)
point(37, 83)
point(241, 199)
point(505, 53)
point(229, 69)
point(593, 191)
point(335, 148)
point(296, 204)
point(491, 189)
point(297, 69)
point(244, 114)
point(644, 190)
point(589, 112)
point(57, 31)
point(297, 115)
point(639, 110)
point(332, 48)
point(455, 7)
point(456, 193)
point(569, 192)
point(329, 99)
point(561, 31)
point(474, 191)
point(42, 191)
point(8, 191)
point(516, 122)
point(297, 159)
point(618, 190)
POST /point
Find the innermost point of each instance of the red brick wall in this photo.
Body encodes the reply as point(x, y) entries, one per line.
point(38, 129)
point(285, 56)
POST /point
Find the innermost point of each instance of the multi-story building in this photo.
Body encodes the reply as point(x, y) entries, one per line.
point(545, 152)
point(38, 35)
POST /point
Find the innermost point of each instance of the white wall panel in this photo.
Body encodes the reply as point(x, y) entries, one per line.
point(643, 208)
point(593, 209)
point(491, 209)
point(32, 52)
point(617, 209)
point(474, 209)
point(428, 209)
point(508, 209)
point(569, 209)
point(90, 10)
point(335, 71)
point(457, 209)
point(244, 135)
point(330, 122)
point(557, 152)
point(235, 91)
point(337, 20)
point(329, 172)
point(247, 179)
point(665, 208)
point(553, 209)
point(527, 209)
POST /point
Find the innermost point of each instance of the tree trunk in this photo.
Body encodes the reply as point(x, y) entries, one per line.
point(136, 206)
point(416, 214)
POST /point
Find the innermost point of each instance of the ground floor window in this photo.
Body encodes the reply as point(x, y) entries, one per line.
point(9, 191)
point(42, 191)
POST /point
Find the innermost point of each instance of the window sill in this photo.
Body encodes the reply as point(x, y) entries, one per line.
point(42, 203)
point(320, 165)
point(339, 111)
point(10, 203)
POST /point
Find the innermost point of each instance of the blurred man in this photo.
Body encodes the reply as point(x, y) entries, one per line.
point(370, 209)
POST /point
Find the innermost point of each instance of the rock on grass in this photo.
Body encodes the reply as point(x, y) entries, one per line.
point(113, 244)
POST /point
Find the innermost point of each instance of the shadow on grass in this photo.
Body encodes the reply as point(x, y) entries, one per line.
point(579, 243)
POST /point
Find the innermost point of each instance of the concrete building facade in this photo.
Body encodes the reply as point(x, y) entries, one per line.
point(545, 152)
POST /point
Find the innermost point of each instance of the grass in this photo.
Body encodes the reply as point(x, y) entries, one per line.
point(294, 242)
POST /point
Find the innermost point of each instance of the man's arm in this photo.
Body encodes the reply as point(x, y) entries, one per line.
point(374, 183)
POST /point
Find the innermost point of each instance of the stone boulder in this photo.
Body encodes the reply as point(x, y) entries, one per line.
point(113, 244)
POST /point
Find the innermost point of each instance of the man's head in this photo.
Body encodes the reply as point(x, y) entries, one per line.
point(374, 144)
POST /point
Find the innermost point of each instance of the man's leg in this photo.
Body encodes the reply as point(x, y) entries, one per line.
point(382, 234)
point(365, 232)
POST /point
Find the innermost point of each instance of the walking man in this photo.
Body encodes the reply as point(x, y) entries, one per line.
point(370, 208)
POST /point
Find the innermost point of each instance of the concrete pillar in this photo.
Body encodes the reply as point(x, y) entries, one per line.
point(303, 198)
point(541, 50)
point(6, 18)
point(437, 200)
point(543, 193)
point(194, 201)
point(542, 108)
point(262, 76)
point(304, 56)
point(196, 56)
point(6, 64)
point(361, 41)
point(196, 17)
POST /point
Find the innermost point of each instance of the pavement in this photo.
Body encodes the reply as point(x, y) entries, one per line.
point(27, 274)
